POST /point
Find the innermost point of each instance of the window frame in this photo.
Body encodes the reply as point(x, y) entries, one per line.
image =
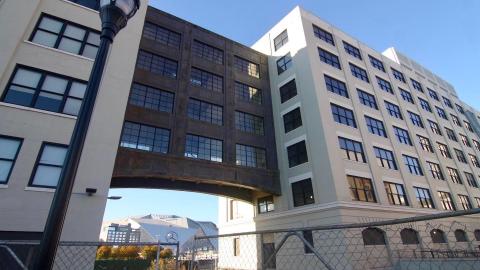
point(359, 73)
point(172, 36)
point(37, 164)
point(385, 158)
point(375, 126)
point(284, 63)
point(367, 99)
point(13, 161)
point(294, 120)
point(304, 188)
point(329, 58)
point(402, 135)
point(413, 165)
point(422, 198)
point(446, 201)
point(352, 50)
point(399, 193)
point(139, 138)
point(354, 190)
point(283, 36)
point(376, 63)
point(350, 121)
point(352, 153)
point(297, 156)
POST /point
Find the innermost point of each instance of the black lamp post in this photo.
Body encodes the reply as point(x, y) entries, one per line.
point(114, 15)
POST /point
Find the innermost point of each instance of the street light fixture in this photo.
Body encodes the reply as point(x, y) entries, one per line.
point(114, 15)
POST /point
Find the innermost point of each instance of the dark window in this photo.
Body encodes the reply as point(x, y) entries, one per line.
point(446, 200)
point(447, 102)
point(435, 170)
point(336, 86)
point(416, 85)
point(292, 120)
point(236, 246)
point(248, 93)
point(265, 204)
point(413, 165)
point(425, 143)
point(396, 194)
point(471, 180)
point(151, 98)
point(460, 156)
point(455, 120)
point(361, 189)
point(434, 127)
point(451, 134)
point(329, 58)
point(247, 67)
point(145, 138)
point(441, 113)
point(373, 236)
point(284, 63)
point(375, 126)
point(454, 175)
point(474, 160)
point(308, 236)
point(376, 63)
point(367, 99)
point(207, 52)
point(66, 36)
point(49, 165)
point(402, 135)
point(409, 237)
point(352, 150)
point(359, 73)
point(468, 126)
point(204, 111)
point(443, 148)
point(206, 80)
point(302, 193)
point(423, 197)
point(288, 91)
point(398, 75)
point(92, 4)
point(9, 149)
point(251, 156)
point(425, 105)
point(465, 140)
point(433, 94)
point(249, 123)
point(459, 109)
point(297, 154)
point(406, 96)
point(44, 90)
point(476, 144)
point(323, 35)
point(460, 235)
point(384, 85)
point(393, 110)
point(415, 118)
point(464, 202)
point(162, 35)
point(157, 64)
point(352, 50)
point(438, 236)
point(280, 40)
point(199, 147)
point(385, 158)
point(343, 115)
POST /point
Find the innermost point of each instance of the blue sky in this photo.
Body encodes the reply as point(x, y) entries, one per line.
point(443, 36)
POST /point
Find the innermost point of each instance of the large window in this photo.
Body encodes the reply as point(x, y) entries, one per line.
point(423, 197)
point(343, 115)
point(459, 109)
point(265, 204)
point(406, 96)
point(415, 118)
point(454, 175)
point(393, 110)
point(474, 160)
point(460, 156)
point(375, 126)
point(204, 148)
point(471, 180)
point(288, 91)
point(323, 35)
point(247, 67)
point(384, 85)
point(385, 158)
point(248, 123)
point(402, 135)
point(9, 148)
point(465, 140)
point(284, 63)
point(302, 193)
point(396, 194)
point(49, 165)
point(44, 90)
point(413, 165)
point(207, 80)
point(207, 52)
point(376, 63)
point(204, 111)
point(398, 75)
point(248, 93)
point(446, 200)
point(476, 144)
point(425, 143)
point(443, 148)
point(250, 156)
point(329, 58)
point(464, 202)
point(441, 113)
point(66, 36)
point(292, 120)
point(359, 73)
point(297, 154)
point(447, 102)
point(280, 40)
point(361, 189)
point(433, 94)
point(162, 35)
point(455, 120)
point(434, 127)
point(151, 98)
point(425, 105)
point(352, 50)
point(367, 99)
point(352, 150)
point(144, 137)
point(416, 85)
point(435, 170)
point(157, 64)
point(336, 86)
point(468, 126)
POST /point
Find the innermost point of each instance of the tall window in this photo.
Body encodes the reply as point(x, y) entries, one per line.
point(385, 158)
point(336, 86)
point(396, 194)
point(367, 99)
point(265, 204)
point(425, 105)
point(297, 154)
point(144, 137)
point(207, 52)
point(9, 148)
point(352, 150)
point(471, 180)
point(474, 160)
point(288, 91)
point(476, 144)
point(447, 102)
point(468, 126)
point(415, 118)
point(425, 143)
point(329, 58)
point(423, 197)
point(433, 94)
point(199, 147)
point(451, 134)
point(464, 202)
point(455, 120)
point(308, 236)
point(162, 35)
point(376, 63)
point(375, 126)
point(460, 156)
point(435, 170)
point(465, 140)
point(204, 111)
point(249, 123)
point(393, 110)
point(454, 175)
point(45, 91)
point(157, 64)
point(247, 67)
point(398, 75)
point(352, 50)
point(459, 109)
point(441, 113)
point(292, 120)
point(361, 189)
point(416, 85)
point(413, 165)
point(248, 93)
point(402, 135)
point(359, 73)
point(384, 85)
point(443, 148)
point(49, 165)
point(280, 40)
point(343, 115)
point(406, 96)
point(66, 36)
point(434, 127)
point(302, 193)
point(446, 200)
point(236, 246)
point(251, 156)
point(323, 35)
point(151, 98)
point(206, 80)
point(284, 63)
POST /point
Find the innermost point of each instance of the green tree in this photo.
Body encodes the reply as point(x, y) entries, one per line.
point(149, 253)
point(104, 252)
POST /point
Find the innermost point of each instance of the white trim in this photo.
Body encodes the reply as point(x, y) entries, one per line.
point(20, 107)
point(290, 108)
point(300, 177)
point(358, 173)
point(393, 180)
point(59, 51)
point(80, 6)
point(341, 103)
point(296, 140)
point(403, 152)
point(383, 146)
point(40, 189)
point(444, 189)
point(421, 185)
point(374, 116)
point(286, 80)
point(3, 185)
point(349, 136)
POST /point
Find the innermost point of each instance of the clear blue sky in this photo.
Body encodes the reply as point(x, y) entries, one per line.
point(443, 36)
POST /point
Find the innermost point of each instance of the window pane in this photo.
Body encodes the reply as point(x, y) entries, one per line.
point(5, 167)
point(70, 45)
point(94, 38)
point(19, 95)
point(77, 89)
point(74, 32)
point(53, 155)
point(55, 84)
point(90, 51)
point(8, 148)
point(26, 78)
point(72, 106)
point(45, 38)
point(49, 102)
point(51, 25)
point(47, 176)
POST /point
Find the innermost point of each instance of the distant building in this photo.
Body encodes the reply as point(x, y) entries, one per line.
point(122, 234)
